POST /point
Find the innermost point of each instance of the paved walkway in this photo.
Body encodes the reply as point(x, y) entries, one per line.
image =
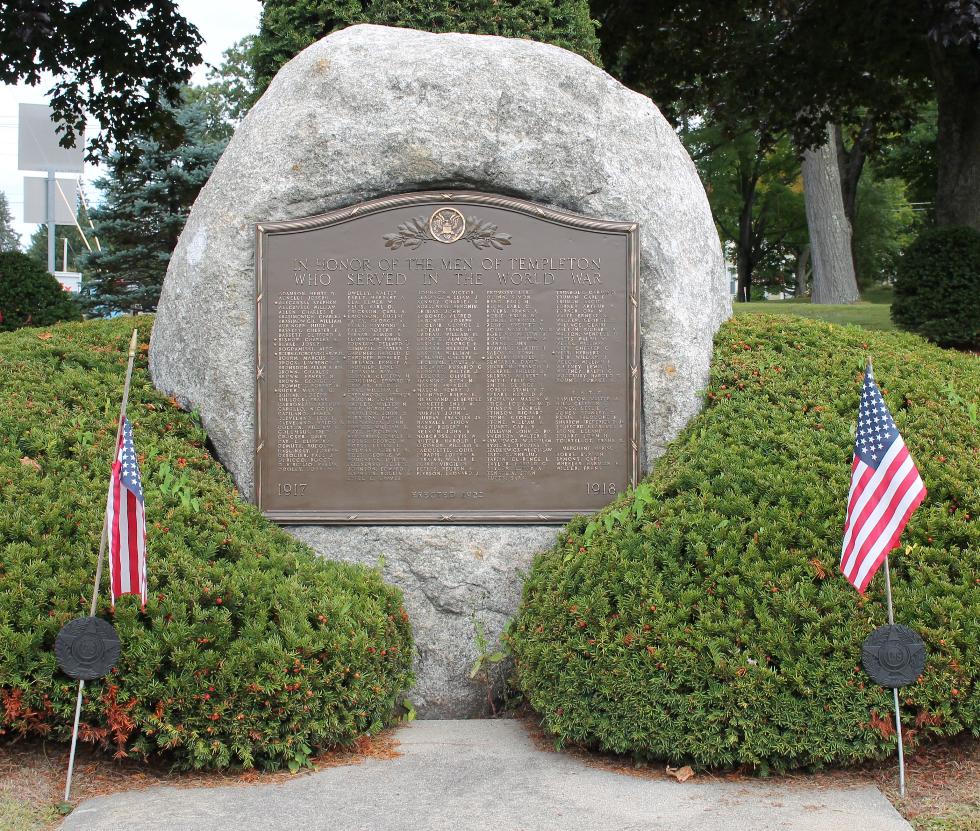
point(478, 775)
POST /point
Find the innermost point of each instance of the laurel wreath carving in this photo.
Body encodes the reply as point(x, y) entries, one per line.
point(415, 232)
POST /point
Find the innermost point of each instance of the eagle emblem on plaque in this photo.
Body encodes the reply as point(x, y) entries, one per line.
point(447, 225)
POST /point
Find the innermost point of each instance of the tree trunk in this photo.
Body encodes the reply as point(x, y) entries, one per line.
point(957, 75)
point(802, 266)
point(830, 232)
point(743, 266)
point(851, 164)
point(744, 250)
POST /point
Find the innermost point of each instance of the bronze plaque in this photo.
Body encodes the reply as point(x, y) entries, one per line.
point(445, 357)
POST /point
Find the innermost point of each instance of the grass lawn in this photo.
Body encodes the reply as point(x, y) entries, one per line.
point(23, 815)
point(872, 312)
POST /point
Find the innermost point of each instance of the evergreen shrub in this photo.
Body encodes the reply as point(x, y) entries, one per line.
point(937, 287)
point(702, 617)
point(289, 26)
point(251, 649)
point(29, 295)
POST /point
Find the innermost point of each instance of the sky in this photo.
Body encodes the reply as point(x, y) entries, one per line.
point(221, 23)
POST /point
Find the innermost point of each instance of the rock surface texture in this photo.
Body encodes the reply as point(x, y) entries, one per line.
point(372, 111)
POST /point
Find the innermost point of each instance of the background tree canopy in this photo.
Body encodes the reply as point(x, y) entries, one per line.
point(749, 85)
point(289, 26)
point(792, 67)
point(120, 62)
point(898, 83)
point(144, 208)
point(146, 203)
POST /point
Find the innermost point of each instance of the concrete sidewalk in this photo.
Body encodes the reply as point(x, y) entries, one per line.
point(477, 775)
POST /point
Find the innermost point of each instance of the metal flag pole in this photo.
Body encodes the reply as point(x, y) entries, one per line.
point(891, 622)
point(898, 712)
point(98, 567)
point(50, 219)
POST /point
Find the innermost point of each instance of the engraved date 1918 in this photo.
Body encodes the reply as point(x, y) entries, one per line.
point(606, 488)
point(292, 488)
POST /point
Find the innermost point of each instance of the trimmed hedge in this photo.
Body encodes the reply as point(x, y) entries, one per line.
point(251, 650)
point(30, 296)
point(937, 287)
point(702, 618)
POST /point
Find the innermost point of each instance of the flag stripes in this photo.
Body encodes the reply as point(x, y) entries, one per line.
point(885, 489)
point(126, 522)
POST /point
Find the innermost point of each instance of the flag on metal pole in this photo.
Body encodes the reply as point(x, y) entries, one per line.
point(885, 489)
point(109, 536)
point(127, 521)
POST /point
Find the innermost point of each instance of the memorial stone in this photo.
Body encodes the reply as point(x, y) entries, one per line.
point(522, 394)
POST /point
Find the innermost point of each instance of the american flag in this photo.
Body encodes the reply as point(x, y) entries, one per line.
point(127, 523)
point(885, 489)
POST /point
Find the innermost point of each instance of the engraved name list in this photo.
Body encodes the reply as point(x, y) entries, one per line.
point(445, 357)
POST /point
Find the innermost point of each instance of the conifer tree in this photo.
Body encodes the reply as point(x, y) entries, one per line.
point(143, 211)
point(9, 238)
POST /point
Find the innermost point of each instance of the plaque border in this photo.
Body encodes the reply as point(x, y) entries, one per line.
point(407, 517)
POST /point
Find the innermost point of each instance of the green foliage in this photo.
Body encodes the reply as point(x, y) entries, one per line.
point(756, 197)
point(792, 68)
point(230, 91)
point(289, 26)
point(702, 618)
point(251, 649)
point(883, 227)
point(143, 211)
point(29, 295)
point(486, 668)
point(767, 63)
point(9, 238)
point(910, 155)
point(938, 286)
point(37, 247)
point(118, 62)
point(485, 659)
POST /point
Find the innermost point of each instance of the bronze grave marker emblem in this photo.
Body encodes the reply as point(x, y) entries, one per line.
point(445, 357)
point(87, 648)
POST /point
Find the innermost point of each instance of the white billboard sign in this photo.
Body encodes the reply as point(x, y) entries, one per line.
point(36, 200)
point(37, 143)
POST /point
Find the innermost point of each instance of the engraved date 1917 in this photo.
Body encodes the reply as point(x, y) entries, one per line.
point(292, 488)
point(606, 488)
